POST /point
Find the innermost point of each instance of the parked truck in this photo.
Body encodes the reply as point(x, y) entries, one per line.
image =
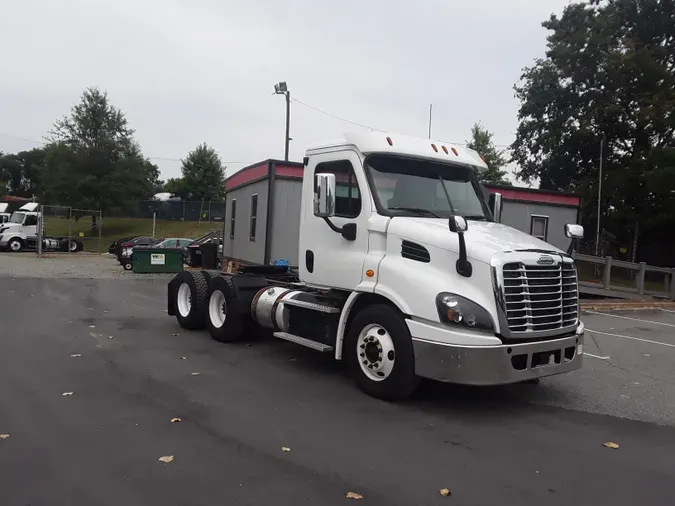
point(20, 233)
point(404, 272)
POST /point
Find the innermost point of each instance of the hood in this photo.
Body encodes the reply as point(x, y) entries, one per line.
point(30, 206)
point(483, 238)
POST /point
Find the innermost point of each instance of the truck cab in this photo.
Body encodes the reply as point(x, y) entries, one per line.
point(21, 228)
point(399, 247)
point(4, 215)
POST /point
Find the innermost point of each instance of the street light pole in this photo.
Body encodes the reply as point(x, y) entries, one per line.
point(288, 123)
point(597, 226)
point(281, 88)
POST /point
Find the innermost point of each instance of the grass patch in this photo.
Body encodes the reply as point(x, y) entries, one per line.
point(115, 228)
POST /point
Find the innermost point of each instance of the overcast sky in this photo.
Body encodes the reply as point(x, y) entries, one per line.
point(191, 71)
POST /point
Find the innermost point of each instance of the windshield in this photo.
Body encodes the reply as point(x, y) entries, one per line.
point(17, 217)
point(412, 187)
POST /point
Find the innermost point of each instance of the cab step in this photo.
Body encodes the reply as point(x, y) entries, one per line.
point(315, 345)
point(321, 308)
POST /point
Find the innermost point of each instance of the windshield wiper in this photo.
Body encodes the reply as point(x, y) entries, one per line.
point(477, 217)
point(419, 210)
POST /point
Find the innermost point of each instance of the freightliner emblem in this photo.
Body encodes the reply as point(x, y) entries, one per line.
point(545, 260)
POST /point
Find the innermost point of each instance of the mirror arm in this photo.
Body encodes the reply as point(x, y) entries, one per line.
point(332, 226)
point(463, 265)
point(348, 231)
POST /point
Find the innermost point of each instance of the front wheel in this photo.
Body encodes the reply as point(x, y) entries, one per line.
point(15, 245)
point(380, 353)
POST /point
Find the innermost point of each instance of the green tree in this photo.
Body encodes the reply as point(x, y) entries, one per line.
point(93, 161)
point(203, 175)
point(481, 141)
point(608, 77)
point(176, 186)
point(22, 172)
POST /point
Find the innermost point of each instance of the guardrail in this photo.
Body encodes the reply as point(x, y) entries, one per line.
point(640, 271)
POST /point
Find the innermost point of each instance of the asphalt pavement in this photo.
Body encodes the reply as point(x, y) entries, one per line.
point(129, 370)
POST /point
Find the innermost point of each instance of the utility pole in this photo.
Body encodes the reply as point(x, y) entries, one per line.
point(597, 228)
point(288, 122)
point(281, 88)
point(430, 108)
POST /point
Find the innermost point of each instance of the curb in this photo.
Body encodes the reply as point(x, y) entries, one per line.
point(627, 306)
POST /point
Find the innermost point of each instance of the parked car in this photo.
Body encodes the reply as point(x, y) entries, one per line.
point(126, 249)
point(174, 242)
point(113, 247)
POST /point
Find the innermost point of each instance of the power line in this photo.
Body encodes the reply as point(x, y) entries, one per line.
point(336, 116)
point(294, 99)
point(162, 158)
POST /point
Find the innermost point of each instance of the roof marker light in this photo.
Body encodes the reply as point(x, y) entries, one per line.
point(482, 158)
point(435, 148)
point(445, 150)
point(455, 151)
point(390, 141)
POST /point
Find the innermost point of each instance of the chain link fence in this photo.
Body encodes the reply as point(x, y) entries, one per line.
point(175, 210)
point(70, 230)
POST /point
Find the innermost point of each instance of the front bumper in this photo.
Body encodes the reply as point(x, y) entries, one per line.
point(493, 365)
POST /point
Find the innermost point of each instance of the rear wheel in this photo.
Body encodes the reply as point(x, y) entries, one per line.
point(223, 320)
point(379, 353)
point(15, 245)
point(127, 266)
point(190, 300)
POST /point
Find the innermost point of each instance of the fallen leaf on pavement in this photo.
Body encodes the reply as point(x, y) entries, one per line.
point(176, 420)
point(76, 355)
point(166, 459)
point(67, 393)
point(92, 326)
point(174, 335)
point(611, 445)
point(285, 449)
point(183, 358)
point(110, 337)
point(353, 495)
point(195, 373)
point(4, 436)
point(444, 492)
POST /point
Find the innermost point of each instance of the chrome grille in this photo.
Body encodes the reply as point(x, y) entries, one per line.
point(540, 297)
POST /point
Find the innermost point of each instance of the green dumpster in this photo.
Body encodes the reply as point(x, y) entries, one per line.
point(151, 260)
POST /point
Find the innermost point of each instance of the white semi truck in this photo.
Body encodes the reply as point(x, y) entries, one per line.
point(421, 281)
point(4, 215)
point(20, 233)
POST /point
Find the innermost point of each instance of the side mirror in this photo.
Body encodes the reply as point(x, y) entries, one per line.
point(457, 224)
point(574, 231)
point(324, 195)
point(495, 204)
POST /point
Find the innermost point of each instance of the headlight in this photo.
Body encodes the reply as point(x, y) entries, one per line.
point(459, 311)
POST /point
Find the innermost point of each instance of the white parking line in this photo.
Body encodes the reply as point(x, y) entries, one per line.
point(632, 338)
point(629, 318)
point(596, 356)
point(667, 310)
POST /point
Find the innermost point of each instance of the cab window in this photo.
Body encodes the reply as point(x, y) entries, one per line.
point(347, 194)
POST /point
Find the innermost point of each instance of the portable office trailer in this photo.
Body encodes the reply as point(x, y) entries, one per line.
point(262, 222)
point(263, 213)
point(541, 213)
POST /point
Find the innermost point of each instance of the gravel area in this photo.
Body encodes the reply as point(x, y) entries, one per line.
point(63, 265)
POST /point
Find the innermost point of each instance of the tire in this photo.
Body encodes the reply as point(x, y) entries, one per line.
point(128, 266)
point(15, 245)
point(191, 312)
point(379, 336)
point(224, 321)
